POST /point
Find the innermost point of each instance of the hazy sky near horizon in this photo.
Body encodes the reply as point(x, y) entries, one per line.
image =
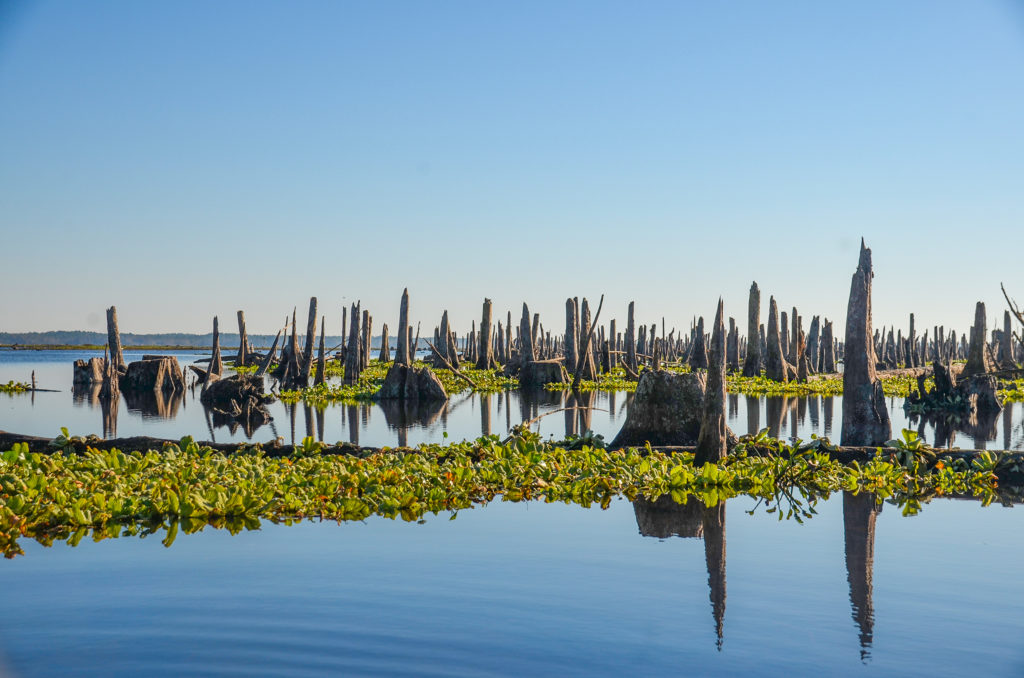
point(183, 160)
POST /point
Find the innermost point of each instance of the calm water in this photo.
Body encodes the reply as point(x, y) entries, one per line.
point(536, 589)
point(463, 417)
point(516, 589)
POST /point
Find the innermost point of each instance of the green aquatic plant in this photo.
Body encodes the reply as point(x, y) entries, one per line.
point(109, 493)
point(1012, 390)
point(15, 387)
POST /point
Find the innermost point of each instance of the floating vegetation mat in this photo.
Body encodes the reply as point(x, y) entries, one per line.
point(102, 494)
point(14, 387)
point(492, 381)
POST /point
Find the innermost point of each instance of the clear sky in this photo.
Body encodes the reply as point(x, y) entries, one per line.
point(186, 159)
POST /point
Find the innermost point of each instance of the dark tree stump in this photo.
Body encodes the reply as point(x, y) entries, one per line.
point(159, 374)
point(404, 382)
point(865, 417)
point(535, 374)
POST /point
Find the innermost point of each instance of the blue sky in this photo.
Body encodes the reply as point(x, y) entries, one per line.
point(188, 159)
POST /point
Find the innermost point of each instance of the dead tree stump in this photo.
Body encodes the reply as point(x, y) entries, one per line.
point(775, 366)
point(752, 362)
point(865, 417)
point(712, 440)
point(485, 359)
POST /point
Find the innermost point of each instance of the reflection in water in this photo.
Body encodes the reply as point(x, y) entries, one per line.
point(485, 414)
point(826, 410)
point(753, 414)
point(109, 406)
point(155, 403)
point(353, 423)
point(400, 416)
point(92, 395)
point(981, 427)
point(859, 513)
point(783, 416)
point(665, 518)
point(775, 412)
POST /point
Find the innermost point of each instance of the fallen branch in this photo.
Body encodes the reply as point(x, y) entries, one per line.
point(449, 365)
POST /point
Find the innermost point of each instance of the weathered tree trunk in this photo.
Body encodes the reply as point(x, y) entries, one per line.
point(775, 366)
point(803, 367)
point(752, 363)
point(367, 339)
point(385, 346)
point(711, 443)
point(912, 358)
point(977, 356)
point(732, 347)
point(631, 361)
point(353, 360)
point(1006, 360)
point(698, 354)
point(527, 353)
point(865, 417)
point(589, 369)
point(216, 363)
point(269, 358)
point(485, 359)
point(242, 358)
point(794, 320)
point(784, 335)
point(402, 355)
point(612, 355)
point(321, 362)
point(813, 342)
point(307, 352)
point(114, 341)
point(828, 349)
point(500, 343)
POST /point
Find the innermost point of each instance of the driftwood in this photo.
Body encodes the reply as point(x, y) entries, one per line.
point(444, 361)
point(270, 356)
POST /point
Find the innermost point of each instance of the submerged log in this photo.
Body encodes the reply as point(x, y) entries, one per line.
point(239, 398)
point(865, 417)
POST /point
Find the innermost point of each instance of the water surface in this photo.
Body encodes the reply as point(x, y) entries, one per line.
point(464, 416)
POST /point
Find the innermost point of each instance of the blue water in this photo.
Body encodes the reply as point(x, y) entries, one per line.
point(465, 416)
point(531, 589)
